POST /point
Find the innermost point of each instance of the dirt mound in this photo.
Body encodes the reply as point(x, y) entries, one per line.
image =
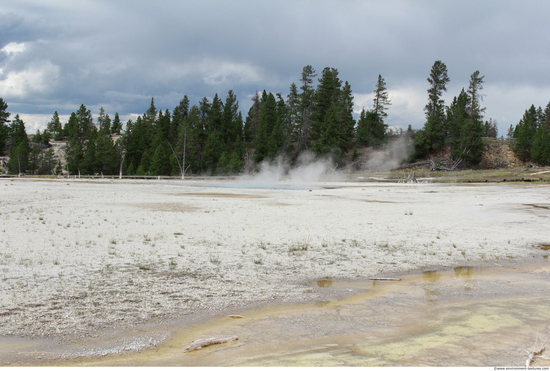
point(498, 154)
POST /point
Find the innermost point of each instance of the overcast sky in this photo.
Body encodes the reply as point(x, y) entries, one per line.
point(56, 55)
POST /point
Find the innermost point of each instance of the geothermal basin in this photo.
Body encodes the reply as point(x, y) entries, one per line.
point(115, 268)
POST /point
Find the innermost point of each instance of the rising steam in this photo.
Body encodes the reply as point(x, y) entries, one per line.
point(278, 173)
point(388, 157)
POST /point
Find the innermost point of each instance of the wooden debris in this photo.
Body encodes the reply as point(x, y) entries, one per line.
point(410, 179)
point(201, 343)
point(384, 279)
point(533, 355)
point(235, 316)
point(413, 165)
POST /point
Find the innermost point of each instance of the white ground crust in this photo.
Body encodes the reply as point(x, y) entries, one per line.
point(80, 256)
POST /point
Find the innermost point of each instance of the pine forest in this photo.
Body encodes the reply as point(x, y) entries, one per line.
point(214, 137)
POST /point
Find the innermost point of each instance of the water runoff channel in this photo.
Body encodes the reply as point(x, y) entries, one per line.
point(491, 315)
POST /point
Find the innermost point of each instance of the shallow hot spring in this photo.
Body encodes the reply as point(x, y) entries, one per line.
point(464, 316)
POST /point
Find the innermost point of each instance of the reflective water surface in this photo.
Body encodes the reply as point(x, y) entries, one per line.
point(464, 316)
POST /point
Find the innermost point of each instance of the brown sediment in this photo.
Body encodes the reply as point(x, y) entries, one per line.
point(465, 316)
point(172, 207)
point(219, 195)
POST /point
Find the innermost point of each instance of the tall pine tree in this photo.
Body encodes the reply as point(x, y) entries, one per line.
point(4, 120)
point(432, 136)
point(19, 150)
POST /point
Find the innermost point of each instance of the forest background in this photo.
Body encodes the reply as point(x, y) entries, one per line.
point(212, 137)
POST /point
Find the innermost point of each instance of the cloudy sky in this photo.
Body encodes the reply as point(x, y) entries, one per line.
point(117, 54)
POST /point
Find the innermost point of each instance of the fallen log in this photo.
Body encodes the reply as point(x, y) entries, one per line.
point(384, 279)
point(201, 343)
point(410, 166)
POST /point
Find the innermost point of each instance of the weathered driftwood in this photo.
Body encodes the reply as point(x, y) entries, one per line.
point(409, 179)
point(384, 279)
point(533, 355)
point(235, 316)
point(201, 343)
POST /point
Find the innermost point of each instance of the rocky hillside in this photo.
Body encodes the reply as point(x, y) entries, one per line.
point(498, 154)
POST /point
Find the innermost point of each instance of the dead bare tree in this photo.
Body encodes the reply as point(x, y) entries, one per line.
point(181, 164)
point(409, 179)
point(536, 352)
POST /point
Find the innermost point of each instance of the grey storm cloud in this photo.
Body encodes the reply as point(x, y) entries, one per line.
point(56, 55)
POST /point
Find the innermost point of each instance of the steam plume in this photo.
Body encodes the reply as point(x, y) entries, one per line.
point(278, 173)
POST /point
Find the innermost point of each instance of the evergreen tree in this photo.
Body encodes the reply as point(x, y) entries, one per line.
point(162, 129)
point(213, 150)
point(55, 128)
point(230, 128)
point(74, 151)
point(252, 121)
point(90, 153)
point(346, 121)
point(4, 120)
point(151, 115)
point(190, 145)
point(116, 126)
point(104, 122)
point(34, 161)
point(433, 136)
point(215, 115)
point(19, 150)
point(540, 150)
point(381, 98)
point(138, 140)
point(46, 137)
point(204, 109)
point(160, 164)
point(80, 131)
point(457, 114)
point(510, 133)
point(48, 161)
point(37, 137)
point(371, 130)
point(84, 124)
point(524, 134)
point(276, 139)
point(546, 121)
point(326, 95)
point(293, 114)
point(223, 167)
point(306, 108)
point(144, 167)
point(268, 119)
point(235, 162)
point(283, 116)
point(476, 111)
point(329, 142)
point(180, 113)
point(236, 159)
point(471, 144)
point(106, 155)
point(491, 129)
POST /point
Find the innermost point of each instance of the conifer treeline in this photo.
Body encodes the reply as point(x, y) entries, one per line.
point(212, 137)
point(532, 136)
